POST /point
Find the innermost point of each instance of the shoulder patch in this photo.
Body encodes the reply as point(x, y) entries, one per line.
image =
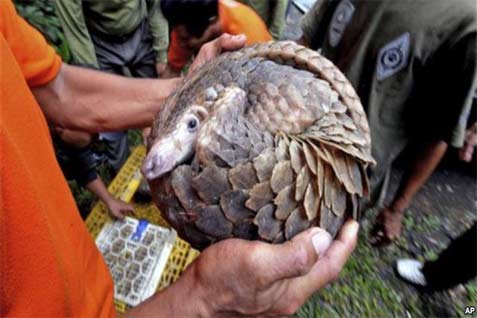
point(393, 57)
point(341, 17)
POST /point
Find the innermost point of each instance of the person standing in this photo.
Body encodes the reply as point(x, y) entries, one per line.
point(195, 22)
point(413, 64)
point(119, 37)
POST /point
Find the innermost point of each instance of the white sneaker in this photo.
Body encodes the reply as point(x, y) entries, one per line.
point(410, 270)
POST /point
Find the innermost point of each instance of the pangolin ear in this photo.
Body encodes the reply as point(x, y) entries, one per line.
point(200, 112)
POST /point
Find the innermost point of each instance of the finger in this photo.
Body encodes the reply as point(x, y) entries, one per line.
point(129, 211)
point(328, 267)
point(229, 42)
point(118, 215)
point(466, 152)
point(293, 258)
point(378, 232)
point(225, 42)
point(128, 207)
point(380, 239)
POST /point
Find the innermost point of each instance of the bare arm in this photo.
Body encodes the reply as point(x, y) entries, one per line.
point(117, 209)
point(389, 220)
point(417, 175)
point(92, 101)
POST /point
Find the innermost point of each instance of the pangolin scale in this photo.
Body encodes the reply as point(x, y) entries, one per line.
point(279, 142)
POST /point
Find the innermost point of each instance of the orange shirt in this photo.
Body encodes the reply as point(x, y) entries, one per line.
point(49, 264)
point(235, 18)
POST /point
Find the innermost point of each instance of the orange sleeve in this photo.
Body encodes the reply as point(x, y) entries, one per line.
point(177, 56)
point(38, 61)
point(237, 18)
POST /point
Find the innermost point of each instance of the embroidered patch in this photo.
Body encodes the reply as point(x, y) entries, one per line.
point(341, 17)
point(393, 57)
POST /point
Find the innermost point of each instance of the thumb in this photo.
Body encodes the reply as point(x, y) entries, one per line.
point(227, 42)
point(328, 267)
point(296, 257)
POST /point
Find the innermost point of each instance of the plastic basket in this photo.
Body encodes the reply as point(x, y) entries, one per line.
point(124, 186)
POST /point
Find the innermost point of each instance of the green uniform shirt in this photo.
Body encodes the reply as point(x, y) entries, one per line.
point(272, 13)
point(413, 64)
point(111, 17)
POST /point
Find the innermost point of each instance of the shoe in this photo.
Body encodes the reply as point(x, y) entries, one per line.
point(411, 271)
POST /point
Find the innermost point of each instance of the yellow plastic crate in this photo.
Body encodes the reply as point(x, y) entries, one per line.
point(124, 186)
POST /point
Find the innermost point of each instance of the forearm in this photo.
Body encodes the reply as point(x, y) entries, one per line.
point(92, 101)
point(417, 175)
point(170, 301)
point(99, 189)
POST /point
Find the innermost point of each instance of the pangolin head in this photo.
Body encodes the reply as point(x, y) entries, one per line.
point(176, 130)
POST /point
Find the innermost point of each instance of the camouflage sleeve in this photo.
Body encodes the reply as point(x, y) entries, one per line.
point(159, 29)
point(277, 18)
point(466, 117)
point(77, 35)
point(310, 23)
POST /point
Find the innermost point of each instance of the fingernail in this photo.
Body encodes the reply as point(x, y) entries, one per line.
point(239, 37)
point(321, 241)
point(354, 227)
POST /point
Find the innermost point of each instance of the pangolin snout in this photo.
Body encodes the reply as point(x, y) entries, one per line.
point(157, 163)
point(151, 167)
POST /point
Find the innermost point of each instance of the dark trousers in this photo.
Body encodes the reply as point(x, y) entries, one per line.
point(130, 55)
point(456, 264)
point(132, 52)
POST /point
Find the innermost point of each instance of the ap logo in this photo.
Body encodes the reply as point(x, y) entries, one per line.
point(469, 310)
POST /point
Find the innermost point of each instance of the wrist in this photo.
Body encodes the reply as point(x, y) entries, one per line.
point(201, 306)
point(399, 206)
point(182, 299)
point(108, 200)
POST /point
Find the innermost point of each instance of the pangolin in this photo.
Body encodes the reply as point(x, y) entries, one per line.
point(260, 143)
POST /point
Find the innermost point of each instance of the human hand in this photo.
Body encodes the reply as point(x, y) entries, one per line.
point(76, 138)
point(236, 278)
point(212, 49)
point(169, 72)
point(387, 227)
point(467, 150)
point(118, 209)
point(145, 134)
point(160, 68)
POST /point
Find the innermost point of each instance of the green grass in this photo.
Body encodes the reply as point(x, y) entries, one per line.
point(361, 290)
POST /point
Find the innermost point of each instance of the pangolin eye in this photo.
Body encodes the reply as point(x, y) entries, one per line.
point(192, 124)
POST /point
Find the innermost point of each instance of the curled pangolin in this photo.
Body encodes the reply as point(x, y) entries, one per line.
point(260, 143)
